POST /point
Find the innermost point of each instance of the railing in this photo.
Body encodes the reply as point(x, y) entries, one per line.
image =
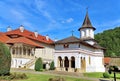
point(22, 56)
point(30, 63)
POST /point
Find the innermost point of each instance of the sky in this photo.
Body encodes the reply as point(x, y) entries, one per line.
point(58, 18)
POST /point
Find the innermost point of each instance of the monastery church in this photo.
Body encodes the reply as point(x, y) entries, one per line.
point(71, 54)
point(82, 54)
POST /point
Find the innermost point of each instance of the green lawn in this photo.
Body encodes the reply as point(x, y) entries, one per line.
point(42, 77)
point(94, 74)
point(100, 75)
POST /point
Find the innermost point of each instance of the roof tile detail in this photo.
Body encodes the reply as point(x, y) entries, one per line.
point(23, 40)
point(30, 35)
point(86, 23)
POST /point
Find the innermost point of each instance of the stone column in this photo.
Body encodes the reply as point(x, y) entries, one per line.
point(26, 52)
point(15, 51)
point(18, 51)
point(69, 63)
point(63, 64)
point(22, 51)
point(30, 51)
point(58, 63)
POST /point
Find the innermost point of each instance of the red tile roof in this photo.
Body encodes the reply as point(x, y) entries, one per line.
point(26, 37)
point(23, 40)
point(4, 38)
point(107, 60)
point(30, 35)
point(1, 33)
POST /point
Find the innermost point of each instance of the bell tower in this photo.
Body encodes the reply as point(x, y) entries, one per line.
point(87, 30)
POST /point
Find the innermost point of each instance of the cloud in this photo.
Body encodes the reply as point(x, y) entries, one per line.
point(42, 8)
point(17, 15)
point(69, 20)
point(107, 25)
point(110, 23)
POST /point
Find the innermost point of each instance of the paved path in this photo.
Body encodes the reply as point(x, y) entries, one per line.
point(56, 73)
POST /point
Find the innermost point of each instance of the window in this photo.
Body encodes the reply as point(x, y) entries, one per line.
point(79, 46)
point(13, 51)
point(66, 45)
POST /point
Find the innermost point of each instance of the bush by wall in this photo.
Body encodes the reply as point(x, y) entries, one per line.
point(52, 67)
point(106, 75)
point(39, 65)
point(5, 60)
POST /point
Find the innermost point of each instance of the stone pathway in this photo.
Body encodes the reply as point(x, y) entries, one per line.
point(56, 73)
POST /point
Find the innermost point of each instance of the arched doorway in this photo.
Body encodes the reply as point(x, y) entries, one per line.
point(72, 62)
point(66, 63)
point(59, 61)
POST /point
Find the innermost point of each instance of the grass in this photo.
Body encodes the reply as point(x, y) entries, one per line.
point(100, 75)
point(94, 74)
point(44, 77)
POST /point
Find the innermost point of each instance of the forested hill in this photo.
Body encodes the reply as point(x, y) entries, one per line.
point(110, 39)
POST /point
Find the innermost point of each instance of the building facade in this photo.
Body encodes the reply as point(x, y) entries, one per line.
point(26, 46)
point(82, 54)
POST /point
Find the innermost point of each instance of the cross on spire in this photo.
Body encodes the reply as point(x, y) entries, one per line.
point(72, 32)
point(87, 9)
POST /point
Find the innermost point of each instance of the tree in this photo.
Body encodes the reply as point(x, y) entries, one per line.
point(110, 39)
point(52, 67)
point(5, 60)
point(39, 65)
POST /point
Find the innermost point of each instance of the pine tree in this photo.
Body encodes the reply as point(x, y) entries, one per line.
point(5, 60)
point(52, 67)
point(38, 64)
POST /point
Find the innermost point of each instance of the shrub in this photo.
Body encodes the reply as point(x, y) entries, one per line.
point(5, 60)
point(106, 75)
point(18, 76)
point(14, 76)
point(52, 67)
point(56, 79)
point(38, 65)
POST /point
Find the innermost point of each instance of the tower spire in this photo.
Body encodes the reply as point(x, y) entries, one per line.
point(87, 30)
point(87, 22)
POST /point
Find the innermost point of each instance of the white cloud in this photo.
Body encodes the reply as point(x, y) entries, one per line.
point(16, 14)
point(42, 7)
point(69, 20)
point(107, 25)
point(110, 23)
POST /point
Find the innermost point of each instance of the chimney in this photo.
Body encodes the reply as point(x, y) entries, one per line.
point(36, 34)
point(47, 37)
point(9, 29)
point(21, 28)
